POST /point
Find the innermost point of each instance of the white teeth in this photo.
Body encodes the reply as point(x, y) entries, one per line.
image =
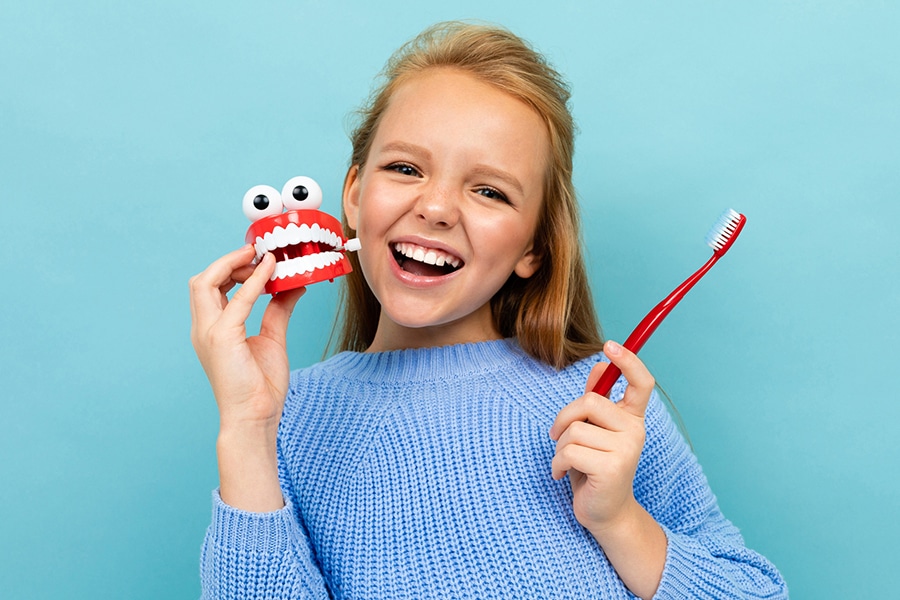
point(282, 237)
point(294, 235)
point(305, 264)
point(426, 255)
point(269, 241)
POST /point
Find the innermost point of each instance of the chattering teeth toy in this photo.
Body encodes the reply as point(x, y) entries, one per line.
point(307, 243)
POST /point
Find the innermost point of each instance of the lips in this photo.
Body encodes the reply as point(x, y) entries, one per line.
point(307, 245)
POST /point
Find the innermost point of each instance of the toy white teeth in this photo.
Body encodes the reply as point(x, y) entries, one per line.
point(305, 264)
point(292, 234)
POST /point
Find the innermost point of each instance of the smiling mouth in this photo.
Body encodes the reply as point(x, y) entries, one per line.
point(307, 246)
point(425, 262)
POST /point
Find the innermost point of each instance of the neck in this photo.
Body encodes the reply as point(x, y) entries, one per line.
point(478, 327)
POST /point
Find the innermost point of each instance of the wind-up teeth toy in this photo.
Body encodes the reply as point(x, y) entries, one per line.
point(308, 244)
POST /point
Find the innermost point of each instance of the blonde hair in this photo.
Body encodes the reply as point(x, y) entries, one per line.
point(551, 313)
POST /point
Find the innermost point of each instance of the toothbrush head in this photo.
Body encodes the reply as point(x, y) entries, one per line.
point(725, 231)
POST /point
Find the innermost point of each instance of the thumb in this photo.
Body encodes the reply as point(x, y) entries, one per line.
point(275, 320)
point(640, 381)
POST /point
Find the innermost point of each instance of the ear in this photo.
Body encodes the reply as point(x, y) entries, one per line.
point(351, 195)
point(528, 264)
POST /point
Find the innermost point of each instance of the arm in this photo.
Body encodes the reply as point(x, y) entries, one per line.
point(640, 492)
point(599, 444)
point(255, 546)
point(248, 375)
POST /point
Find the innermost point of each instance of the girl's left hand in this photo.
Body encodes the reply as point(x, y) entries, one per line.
point(599, 443)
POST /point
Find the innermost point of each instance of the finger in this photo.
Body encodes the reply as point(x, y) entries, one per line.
point(207, 286)
point(238, 310)
point(278, 313)
point(591, 408)
point(219, 272)
point(241, 274)
point(580, 458)
point(640, 381)
point(627, 442)
point(588, 435)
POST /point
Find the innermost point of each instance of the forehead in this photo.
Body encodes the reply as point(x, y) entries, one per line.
point(450, 107)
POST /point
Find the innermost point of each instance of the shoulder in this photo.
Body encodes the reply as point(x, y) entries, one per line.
point(578, 372)
point(322, 380)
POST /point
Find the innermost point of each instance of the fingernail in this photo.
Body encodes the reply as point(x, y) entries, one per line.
point(613, 348)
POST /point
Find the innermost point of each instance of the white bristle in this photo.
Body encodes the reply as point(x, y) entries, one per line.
point(723, 229)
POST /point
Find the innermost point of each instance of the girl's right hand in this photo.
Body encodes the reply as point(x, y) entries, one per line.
point(248, 375)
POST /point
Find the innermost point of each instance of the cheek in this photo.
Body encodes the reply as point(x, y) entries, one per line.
point(366, 270)
point(368, 226)
point(515, 238)
point(371, 209)
point(371, 228)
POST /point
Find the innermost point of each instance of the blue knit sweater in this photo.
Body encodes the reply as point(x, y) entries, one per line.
point(426, 474)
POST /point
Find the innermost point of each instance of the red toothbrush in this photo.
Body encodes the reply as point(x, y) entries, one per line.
point(720, 238)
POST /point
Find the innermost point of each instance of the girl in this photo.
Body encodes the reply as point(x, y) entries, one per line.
point(428, 459)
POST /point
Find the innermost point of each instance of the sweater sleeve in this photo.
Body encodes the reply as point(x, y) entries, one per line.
point(706, 555)
point(258, 555)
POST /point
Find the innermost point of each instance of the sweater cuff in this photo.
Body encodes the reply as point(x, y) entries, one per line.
point(266, 533)
point(693, 570)
point(249, 554)
point(679, 573)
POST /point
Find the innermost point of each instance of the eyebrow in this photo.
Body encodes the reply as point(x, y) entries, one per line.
point(482, 170)
point(407, 148)
point(503, 176)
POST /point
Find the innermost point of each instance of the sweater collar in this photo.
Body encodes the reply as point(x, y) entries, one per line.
point(424, 364)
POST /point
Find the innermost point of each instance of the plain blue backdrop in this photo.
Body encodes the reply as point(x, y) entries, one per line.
point(130, 131)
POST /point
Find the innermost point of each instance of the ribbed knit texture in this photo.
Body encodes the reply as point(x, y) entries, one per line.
point(426, 474)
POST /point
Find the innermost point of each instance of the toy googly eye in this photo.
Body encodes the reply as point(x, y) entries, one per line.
point(301, 193)
point(262, 201)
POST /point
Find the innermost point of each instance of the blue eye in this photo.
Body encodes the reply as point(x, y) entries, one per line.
point(404, 169)
point(493, 194)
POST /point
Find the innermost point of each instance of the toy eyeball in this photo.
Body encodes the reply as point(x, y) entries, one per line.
point(301, 193)
point(262, 201)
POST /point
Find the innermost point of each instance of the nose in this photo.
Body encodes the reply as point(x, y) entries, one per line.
point(438, 207)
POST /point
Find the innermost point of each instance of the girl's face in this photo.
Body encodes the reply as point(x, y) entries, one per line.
point(446, 207)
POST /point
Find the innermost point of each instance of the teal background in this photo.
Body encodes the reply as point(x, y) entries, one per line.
point(130, 131)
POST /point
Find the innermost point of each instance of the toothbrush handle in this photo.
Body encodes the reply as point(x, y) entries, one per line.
point(646, 327)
